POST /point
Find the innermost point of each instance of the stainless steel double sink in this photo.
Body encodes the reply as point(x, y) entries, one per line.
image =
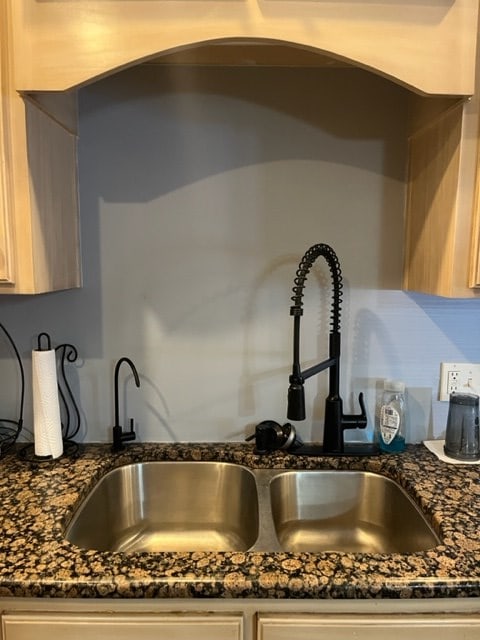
point(217, 506)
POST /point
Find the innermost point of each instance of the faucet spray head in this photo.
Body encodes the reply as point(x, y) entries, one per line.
point(296, 401)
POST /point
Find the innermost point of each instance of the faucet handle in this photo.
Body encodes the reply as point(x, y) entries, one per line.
point(130, 434)
point(120, 436)
point(356, 421)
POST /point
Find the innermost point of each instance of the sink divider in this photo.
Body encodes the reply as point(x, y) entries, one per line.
point(267, 538)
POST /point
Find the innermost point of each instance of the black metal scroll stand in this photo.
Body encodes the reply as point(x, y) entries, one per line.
point(68, 407)
point(10, 429)
point(71, 422)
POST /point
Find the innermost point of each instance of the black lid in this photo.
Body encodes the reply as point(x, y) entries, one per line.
point(468, 399)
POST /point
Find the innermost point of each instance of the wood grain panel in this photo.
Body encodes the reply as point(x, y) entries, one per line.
point(430, 48)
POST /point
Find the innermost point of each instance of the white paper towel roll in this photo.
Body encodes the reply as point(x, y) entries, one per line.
point(47, 426)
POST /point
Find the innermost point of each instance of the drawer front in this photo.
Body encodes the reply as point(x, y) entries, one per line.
point(38, 626)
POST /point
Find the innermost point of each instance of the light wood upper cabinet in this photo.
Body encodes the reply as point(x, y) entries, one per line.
point(49, 49)
point(429, 47)
point(39, 244)
point(442, 246)
point(437, 249)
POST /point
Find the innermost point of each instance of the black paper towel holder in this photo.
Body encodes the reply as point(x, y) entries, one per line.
point(71, 421)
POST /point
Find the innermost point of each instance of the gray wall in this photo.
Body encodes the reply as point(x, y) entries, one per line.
point(200, 190)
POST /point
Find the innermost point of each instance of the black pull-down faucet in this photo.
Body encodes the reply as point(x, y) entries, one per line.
point(335, 420)
point(119, 435)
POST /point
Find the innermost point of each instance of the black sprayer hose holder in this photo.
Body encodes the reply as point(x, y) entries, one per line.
point(271, 436)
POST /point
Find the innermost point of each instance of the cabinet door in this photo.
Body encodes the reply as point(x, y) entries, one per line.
point(442, 241)
point(373, 627)
point(5, 231)
point(6, 257)
point(38, 626)
point(39, 243)
point(475, 268)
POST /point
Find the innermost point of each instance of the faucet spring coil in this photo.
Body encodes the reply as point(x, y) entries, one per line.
point(302, 272)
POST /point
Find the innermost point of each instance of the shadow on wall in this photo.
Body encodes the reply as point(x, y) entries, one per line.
point(200, 190)
point(212, 168)
point(198, 122)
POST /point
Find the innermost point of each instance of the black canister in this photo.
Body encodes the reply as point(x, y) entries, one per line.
point(462, 434)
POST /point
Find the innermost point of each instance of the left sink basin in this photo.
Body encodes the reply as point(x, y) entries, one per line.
point(169, 506)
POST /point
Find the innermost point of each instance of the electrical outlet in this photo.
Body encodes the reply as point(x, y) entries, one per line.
point(463, 377)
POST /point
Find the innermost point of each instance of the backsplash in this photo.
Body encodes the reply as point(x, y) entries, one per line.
point(200, 190)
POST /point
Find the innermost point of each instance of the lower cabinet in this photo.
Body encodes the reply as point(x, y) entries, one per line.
point(38, 626)
point(373, 627)
point(237, 619)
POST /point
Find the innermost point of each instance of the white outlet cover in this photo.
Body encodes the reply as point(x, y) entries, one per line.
point(468, 378)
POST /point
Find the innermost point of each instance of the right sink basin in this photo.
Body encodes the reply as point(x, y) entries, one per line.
point(346, 511)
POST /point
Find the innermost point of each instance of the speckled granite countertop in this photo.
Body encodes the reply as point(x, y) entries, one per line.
point(37, 500)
